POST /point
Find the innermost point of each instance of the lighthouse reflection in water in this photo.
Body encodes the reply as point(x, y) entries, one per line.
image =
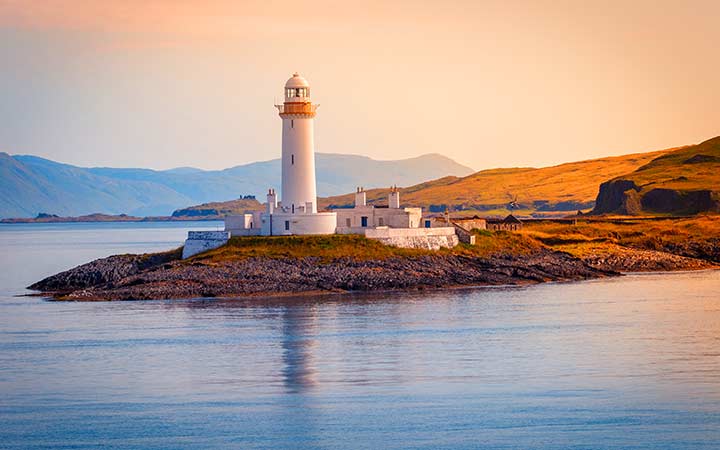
point(298, 343)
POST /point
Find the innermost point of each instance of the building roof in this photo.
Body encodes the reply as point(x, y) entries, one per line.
point(296, 82)
point(511, 219)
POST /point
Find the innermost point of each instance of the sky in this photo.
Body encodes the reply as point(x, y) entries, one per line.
point(507, 83)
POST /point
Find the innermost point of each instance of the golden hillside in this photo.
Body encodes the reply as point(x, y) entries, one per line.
point(569, 187)
point(692, 167)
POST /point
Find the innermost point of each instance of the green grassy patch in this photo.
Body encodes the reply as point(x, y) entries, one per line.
point(358, 247)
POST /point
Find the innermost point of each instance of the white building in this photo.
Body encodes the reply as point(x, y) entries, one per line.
point(363, 216)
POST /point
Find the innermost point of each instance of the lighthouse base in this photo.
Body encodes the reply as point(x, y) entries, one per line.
point(281, 224)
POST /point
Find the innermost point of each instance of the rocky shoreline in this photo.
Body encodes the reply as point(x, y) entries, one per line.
point(638, 260)
point(167, 276)
point(163, 276)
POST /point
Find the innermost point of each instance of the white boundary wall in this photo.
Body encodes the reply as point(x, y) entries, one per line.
point(428, 238)
point(202, 241)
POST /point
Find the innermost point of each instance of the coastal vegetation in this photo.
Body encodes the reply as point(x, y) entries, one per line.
point(634, 244)
point(331, 247)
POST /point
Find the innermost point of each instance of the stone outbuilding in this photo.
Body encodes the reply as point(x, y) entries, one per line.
point(509, 223)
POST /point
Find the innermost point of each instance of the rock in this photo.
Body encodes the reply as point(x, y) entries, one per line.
point(119, 278)
point(679, 202)
point(613, 197)
point(645, 261)
point(625, 197)
point(700, 158)
point(103, 271)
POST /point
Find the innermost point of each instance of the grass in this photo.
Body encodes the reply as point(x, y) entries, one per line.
point(357, 247)
point(324, 247)
point(670, 171)
point(587, 237)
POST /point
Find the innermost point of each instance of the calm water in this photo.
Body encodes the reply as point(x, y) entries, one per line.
point(625, 363)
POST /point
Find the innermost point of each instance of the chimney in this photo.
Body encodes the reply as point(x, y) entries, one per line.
point(271, 201)
point(394, 198)
point(360, 198)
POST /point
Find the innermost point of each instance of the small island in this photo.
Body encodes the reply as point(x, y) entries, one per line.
point(289, 265)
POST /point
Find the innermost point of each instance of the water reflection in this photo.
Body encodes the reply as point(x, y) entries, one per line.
point(299, 327)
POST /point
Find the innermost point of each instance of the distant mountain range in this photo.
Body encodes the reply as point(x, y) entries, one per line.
point(30, 185)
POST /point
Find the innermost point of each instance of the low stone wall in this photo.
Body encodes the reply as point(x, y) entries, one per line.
point(202, 241)
point(470, 224)
point(350, 230)
point(465, 236)
point(427, 238)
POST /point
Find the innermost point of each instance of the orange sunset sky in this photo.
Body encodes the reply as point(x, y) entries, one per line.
point(160, 83)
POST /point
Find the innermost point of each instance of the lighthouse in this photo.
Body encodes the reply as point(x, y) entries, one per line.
point(296, 212)
point(298, 192)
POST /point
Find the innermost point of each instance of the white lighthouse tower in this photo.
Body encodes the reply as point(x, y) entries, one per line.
point(296, 213)
point(298, 147)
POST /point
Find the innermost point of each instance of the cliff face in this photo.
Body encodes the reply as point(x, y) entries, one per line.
point(681, 182)
point(614, 197)
point(679, 202)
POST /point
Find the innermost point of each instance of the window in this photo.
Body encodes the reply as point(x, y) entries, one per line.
point(348, 222)
point(287, 225)
point(381, 221)
point(292, 160)
point(363, 221)
point(293, 208)
point(292, 123)
point(427, 224)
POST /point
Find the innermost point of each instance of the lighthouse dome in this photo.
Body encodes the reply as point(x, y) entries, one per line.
point(296, 82)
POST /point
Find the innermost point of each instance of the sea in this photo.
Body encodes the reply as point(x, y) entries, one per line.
point(625, 363)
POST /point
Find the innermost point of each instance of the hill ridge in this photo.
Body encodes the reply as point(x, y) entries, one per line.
point(564, 187)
